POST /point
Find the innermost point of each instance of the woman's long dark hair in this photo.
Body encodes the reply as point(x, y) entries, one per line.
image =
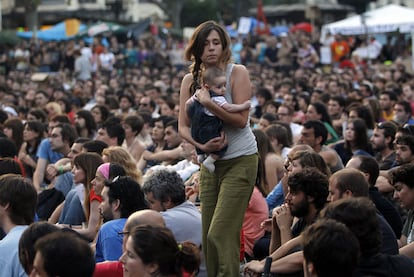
point(321, 109)
point(39, 128)
point(360, 136)
point(196, 45)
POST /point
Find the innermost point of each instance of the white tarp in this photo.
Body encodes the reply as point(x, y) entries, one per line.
point(390, 18)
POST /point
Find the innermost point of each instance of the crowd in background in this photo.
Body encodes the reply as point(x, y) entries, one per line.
point(120, 100)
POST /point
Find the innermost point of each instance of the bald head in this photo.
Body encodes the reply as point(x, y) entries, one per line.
point(144, 217)
point(367, 165)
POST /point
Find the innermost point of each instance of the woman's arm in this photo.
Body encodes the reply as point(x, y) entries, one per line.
point(275, 236)
point(39, 173)
point(91, 231)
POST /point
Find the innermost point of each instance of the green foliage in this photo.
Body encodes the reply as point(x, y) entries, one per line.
point(196, 12)
point(359, 5)
point(9, 37)
point(28, 4)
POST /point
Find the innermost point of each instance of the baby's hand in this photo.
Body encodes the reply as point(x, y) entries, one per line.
point(247, 104)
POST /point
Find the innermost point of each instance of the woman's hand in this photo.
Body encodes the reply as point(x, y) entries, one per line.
point(202, 95)
point(214, 144)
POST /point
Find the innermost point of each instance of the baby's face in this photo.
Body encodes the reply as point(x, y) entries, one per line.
point(219, 85)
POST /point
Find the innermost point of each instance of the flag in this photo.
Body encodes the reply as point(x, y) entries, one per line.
point(262, 27)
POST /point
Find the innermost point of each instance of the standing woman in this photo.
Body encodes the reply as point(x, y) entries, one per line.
point(225, 193)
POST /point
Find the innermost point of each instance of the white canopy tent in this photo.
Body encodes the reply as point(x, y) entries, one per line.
point(390, 18)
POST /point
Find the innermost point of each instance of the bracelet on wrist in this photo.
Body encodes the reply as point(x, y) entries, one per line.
point(60, 170)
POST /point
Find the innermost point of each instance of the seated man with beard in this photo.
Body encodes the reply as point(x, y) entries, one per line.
point(120, 199)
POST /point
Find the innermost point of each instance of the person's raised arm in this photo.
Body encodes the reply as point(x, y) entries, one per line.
point(39, 173)
point(165, 155)
point(284, 221)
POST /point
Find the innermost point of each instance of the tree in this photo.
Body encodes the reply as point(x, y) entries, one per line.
point(30, 11)
point(188, 12)
point(359, 5)
point(172, 8)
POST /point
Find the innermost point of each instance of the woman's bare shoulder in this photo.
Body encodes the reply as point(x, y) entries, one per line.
point(187, 76)
point(239, 68)
point(186, 82)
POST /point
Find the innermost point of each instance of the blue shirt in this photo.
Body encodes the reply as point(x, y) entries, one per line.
point(276, 197)
point(9, 253)
point(109, 242)
point(45, 152)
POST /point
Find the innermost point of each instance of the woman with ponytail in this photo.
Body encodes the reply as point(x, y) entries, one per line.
point(224, 193)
